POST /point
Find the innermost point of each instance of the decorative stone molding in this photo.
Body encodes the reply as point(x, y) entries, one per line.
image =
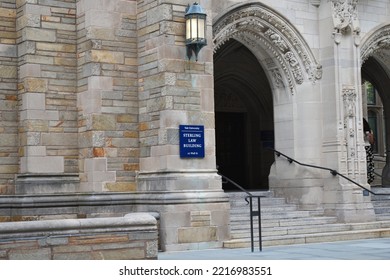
point(374, 43)
point(256, 25)
point(345, 15)
point(277, 78)
point(349, 97)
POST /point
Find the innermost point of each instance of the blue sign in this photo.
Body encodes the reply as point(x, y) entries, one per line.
point(191, 141)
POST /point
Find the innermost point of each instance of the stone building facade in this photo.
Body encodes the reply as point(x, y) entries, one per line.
point(92, 93)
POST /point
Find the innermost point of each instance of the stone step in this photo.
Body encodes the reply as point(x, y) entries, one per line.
point(309, 221)
point(265, 209)
point(267, 201)
point(310, 238)
point(383, 217)
point(284, 223)
point(272, 215)
point(309, 229)
point(381, 210)
point(285, 231)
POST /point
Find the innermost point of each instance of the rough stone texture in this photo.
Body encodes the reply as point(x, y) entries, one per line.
point(47, 86)
point(107, 98)
point(8, 97)
point(132, 237)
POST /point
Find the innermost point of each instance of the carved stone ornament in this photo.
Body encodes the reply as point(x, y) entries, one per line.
point(349, 95)
point(345, 15)
point(375, 43)
point(258, 27)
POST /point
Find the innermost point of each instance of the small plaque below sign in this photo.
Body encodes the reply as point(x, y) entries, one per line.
point(191, 141)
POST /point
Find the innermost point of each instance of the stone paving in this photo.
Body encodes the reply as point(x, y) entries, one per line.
point(366, 249)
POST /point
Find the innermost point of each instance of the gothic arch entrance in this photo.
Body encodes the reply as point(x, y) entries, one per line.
point(260, 60)
point(244, 117)
point(375, 56)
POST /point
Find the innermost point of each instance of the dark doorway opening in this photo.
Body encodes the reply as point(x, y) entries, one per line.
point(243, 117)
point(231, 145)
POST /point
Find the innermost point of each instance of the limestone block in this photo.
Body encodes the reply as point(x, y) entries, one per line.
point(39, 35)
point(90, 101)
point(107, 56)
point(95, 164)
point(101, 176)
point(100, 33)
point(29, 70)
point(59, 139)
point(35, 151)
point(7, 13)
point(39, 115)
point(8, 140)
point(33, 9)
point(65, 61)
point(8, 72)
point(35, 85)
point(42, 164)
point(121, 187)
point(33, 101)
point(101, 83)
point(55, 47)
point(197, 234)
point(102, 18)
point(103, 122)
point(8, 50)
point(58, 26)
point(23, 254)
point(28, 20)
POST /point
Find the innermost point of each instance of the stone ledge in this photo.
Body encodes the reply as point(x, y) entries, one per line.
point(131, 237)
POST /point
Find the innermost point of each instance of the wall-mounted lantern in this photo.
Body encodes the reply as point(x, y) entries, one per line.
point(195, 29)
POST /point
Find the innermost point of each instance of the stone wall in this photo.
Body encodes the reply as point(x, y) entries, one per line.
point(8, 97)
point(107, 95)
point(131, 237)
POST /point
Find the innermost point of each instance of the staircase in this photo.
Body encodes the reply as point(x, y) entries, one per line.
point(381, 203)
point(285, 224)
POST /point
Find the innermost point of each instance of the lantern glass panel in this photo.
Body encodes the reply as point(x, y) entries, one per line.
point(201, 28)
point(188, 28)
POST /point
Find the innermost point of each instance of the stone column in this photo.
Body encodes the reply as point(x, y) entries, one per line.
point(47, 84)
point(343, 145)
point(174, 91)
point(107, 95)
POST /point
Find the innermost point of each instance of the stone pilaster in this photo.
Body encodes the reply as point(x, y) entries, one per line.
point(47, 84)
point(174, 91)
point(107, 95)
point(343, 136)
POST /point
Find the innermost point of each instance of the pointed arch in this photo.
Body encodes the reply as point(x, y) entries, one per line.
point(375, 42)
point(258, 26)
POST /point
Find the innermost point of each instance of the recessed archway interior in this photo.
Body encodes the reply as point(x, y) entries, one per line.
point(375, 71)
point(244, 117)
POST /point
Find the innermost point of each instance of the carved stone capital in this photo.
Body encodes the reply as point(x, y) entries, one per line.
point(345, 15)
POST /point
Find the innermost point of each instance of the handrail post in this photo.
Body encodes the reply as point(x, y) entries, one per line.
point(258, 214)
point(251, 218)
point(259, 220)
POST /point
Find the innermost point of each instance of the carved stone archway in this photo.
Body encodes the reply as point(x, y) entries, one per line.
point(375, 59)
point(261, 29)
point(377, 44)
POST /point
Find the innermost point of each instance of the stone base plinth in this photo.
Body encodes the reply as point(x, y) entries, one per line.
point(46, 183)
point(193, 208)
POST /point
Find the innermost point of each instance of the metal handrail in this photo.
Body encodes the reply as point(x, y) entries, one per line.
point(332, 171)
point(252, 212)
